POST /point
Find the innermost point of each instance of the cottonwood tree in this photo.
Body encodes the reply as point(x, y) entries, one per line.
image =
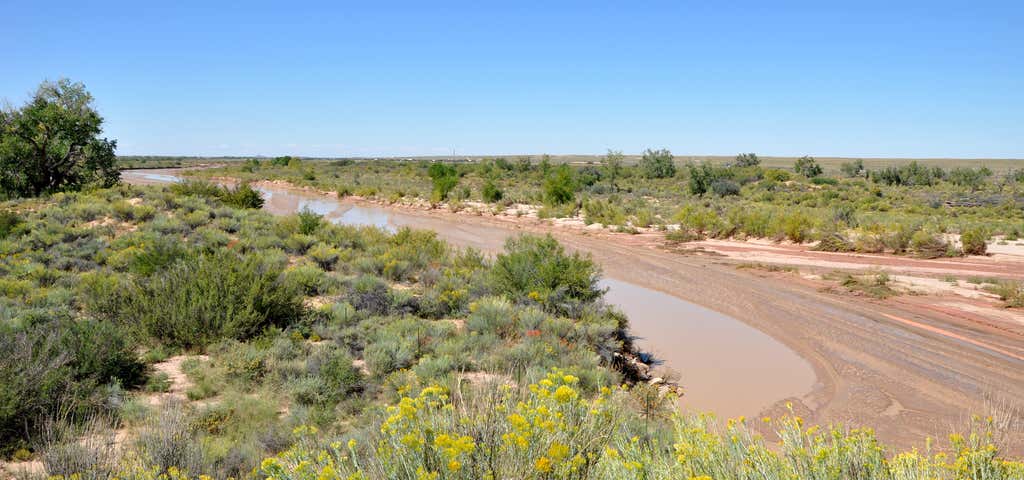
point(52, 143)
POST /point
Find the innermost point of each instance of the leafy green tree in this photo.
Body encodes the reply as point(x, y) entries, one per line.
point(445, 178)
point(807, 166)
point(612, 164)
point(747, 160)
point(657, 164)
point(560, 186)
point(52, 143)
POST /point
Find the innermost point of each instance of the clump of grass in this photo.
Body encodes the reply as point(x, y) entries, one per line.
point(1009, 291)
point(834, 242)
point(873, 285)
point(768, 267)
point(159, 382)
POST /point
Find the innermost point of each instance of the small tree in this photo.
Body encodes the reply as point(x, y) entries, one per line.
point(52, 143)
point(807, 166)
point(747, 160)
point(445, 178)
point(657, 164)
point(545, 164)
point(612, 166)
point(702, 177)
point(853, 169)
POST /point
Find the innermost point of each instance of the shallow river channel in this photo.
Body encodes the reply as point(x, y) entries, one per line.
point(724, 365)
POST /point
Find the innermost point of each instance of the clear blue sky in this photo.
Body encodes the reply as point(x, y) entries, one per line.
point(928, 79)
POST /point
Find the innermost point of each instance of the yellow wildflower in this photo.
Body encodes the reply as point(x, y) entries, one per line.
point(543, 464)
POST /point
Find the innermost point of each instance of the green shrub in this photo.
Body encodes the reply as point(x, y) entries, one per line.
point(605, 212)
point(776, 175)
point(491, 193)
point(309, 221)
point(157, 254)
point(927, 245)
point(538, 269)
point(389, 355)
point(339, 376)
point(702, 176)
point(324, 256)
point(974, 241)
point(1009, 291)
point(158, 382)
point(724, 187)
point(492, 315)
point(747, 160)
point(834, 242)
point(371, 295)
point(797, 226)
point(8, 222)
point(444, 178)
point(807, 166)
point(199, 188)
point(59, 365)
point(242, 196)
point(853, 169)
point(560, 186)
point(657, 164)
point(196, 302)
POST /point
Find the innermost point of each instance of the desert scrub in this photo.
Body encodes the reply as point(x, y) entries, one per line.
point(553, 430)
point(974, 241)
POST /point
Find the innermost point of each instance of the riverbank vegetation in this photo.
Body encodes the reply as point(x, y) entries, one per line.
point(166, 333)
point(276, 323)
point(909, 209)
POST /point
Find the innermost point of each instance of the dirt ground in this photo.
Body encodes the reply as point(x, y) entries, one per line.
point(910, 366)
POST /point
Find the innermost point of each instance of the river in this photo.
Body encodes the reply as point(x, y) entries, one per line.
point(724, 365)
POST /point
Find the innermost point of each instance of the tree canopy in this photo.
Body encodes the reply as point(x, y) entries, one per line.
point(658, 164)
point(52, 143)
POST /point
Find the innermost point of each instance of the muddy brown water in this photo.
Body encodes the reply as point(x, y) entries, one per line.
point(724, 365)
